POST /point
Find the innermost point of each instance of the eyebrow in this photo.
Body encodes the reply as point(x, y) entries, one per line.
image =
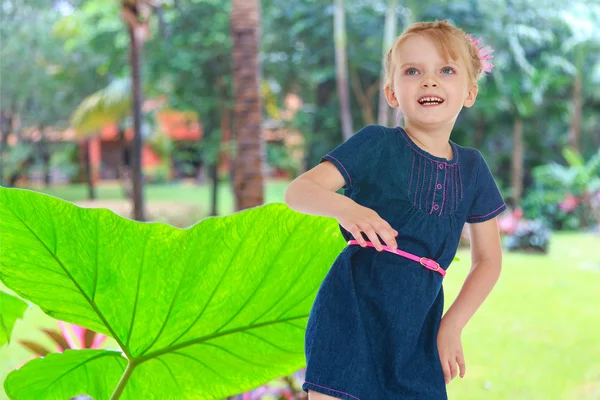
point(420, 64)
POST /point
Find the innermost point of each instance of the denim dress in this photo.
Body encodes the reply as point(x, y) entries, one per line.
point(372, 329)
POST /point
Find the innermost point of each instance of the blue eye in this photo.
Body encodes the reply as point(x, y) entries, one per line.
point(448, 68)
point(409, 70)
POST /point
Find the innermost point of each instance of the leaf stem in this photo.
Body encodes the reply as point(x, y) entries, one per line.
point(124, 379)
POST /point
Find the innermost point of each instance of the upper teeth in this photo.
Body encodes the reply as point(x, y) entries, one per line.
point(430, 99)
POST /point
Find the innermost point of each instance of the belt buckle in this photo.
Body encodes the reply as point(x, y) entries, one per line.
point(437, 266)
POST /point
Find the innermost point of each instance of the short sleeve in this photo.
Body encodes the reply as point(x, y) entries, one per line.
point(487, 202)
point(353, 157)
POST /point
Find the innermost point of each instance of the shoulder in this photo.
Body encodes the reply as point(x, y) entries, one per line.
point(373, 130)
point(469, 156)
point(368, 137)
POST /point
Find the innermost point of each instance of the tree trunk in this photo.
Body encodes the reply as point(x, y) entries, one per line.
point(384, 112)
point(339, 26)
point(21, 171)
point(6, 124)
point(136, 144)
point(586, 204)
point(248, 183)
point(123, 168)
point(214, 176)
point(88, 171)
point(575, 130)
point(45, 153)
point(364, 96)
point(210, 159)
point(517, 161)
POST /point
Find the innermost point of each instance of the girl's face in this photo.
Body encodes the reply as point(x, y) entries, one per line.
point(430, 91)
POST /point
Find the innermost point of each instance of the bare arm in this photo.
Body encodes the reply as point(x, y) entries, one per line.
point(486, 264)
point(314, 192)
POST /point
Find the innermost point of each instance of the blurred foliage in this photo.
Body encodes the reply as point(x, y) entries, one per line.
point(77, 48)
point(529, 237)
point(554, 183)
point(64, 159)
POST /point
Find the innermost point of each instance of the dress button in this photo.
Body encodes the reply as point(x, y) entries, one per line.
point(438, 186)
point(441, 166)
point(436, 207)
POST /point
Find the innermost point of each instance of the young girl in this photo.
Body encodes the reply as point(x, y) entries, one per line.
point(376, 330)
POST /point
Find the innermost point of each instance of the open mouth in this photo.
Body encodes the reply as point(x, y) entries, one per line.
point(430, 101)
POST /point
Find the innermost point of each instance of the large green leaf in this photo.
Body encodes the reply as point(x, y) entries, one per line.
point(204, 312)
point(11, 309)
point(66, 375)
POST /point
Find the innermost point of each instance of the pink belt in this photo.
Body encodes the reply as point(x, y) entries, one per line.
point(426, 262)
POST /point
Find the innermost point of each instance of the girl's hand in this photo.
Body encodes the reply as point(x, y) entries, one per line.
point(450, 351)
point(356, 219)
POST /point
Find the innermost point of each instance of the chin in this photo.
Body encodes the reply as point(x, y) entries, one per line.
point(432, 120)
point(432, 123)
point(443, 118)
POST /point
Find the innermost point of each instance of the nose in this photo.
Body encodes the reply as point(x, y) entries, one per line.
point(428, 81)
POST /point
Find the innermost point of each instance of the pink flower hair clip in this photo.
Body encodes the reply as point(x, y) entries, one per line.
point(484, 54)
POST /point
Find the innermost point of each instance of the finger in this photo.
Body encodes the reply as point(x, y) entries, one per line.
point(384, 230)
point(390, 235)
point(445, 368)
point(453, 370)
point(448, 375)
point(357, 234)
point(374, 239)
point(461, 363)
point(388, 238)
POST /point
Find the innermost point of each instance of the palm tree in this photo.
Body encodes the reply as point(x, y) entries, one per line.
point(391, 20)
point(341, 67)
point(109, 105)
point(136, 14)
point(248, 183)
point(584, 23)
point(524, 81)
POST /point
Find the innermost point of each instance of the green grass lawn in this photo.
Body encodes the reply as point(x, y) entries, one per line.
point(183, 193)
point(535, 337)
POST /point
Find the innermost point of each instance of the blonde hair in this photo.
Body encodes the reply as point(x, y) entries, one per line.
point(450, 41)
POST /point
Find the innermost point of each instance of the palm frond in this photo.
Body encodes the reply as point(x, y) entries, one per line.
point(108, 105)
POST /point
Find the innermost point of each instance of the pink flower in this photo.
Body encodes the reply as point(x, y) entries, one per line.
point(569, 204)
point(508, 222)
point(75, 336)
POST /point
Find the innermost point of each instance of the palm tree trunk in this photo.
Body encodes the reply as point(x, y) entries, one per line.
point(248, 183)
point(45, 151)
point(136, 143)
point(384, 113)
point(339, 25)
point(123, 166)
point(586, 203)
point(214, 177)
point(517, 161)
point(364, 96)
point(6, 124)
point(88, 170)
point(575, 130)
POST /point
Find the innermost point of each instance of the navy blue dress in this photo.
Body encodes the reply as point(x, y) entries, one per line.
point(372, 330)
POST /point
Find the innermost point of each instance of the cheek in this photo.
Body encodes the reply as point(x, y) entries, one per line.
point(406, 92)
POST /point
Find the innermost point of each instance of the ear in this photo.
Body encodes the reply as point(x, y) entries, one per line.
point(471, 95)
point(390, 96)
